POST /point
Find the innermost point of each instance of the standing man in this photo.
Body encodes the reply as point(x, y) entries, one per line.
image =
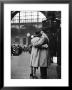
point(44, 56)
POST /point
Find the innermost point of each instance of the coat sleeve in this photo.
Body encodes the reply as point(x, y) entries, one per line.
point(34, 41)
point(40, 41)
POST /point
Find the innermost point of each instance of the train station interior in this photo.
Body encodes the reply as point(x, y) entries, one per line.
point(23, 25)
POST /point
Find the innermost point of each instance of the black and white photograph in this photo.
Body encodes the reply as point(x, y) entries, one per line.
point(36, 44)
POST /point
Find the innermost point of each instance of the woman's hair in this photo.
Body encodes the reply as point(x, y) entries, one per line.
point(45, 29)
point(38, 34)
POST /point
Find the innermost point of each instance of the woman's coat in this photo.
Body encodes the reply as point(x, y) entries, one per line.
point(39, 57)
point(34, 59)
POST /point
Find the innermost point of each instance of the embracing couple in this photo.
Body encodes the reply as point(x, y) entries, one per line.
point(39, 54)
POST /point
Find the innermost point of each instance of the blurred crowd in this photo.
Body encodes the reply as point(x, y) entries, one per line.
point(18, 49)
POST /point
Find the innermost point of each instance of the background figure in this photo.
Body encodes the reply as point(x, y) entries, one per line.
point(59, 55)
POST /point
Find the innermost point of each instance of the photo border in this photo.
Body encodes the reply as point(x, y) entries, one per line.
point(2, 2)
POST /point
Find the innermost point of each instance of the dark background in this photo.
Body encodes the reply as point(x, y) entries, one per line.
point(1, 34)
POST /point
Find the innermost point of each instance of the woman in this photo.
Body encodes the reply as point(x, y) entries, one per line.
point(34, 60)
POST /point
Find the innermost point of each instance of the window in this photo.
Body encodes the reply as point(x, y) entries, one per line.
point(28, 17)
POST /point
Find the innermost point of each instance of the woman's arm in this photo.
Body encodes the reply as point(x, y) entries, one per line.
point(35, 40)
point(39, 42)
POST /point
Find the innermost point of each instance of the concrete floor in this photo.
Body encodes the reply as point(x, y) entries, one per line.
point(20, 68)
